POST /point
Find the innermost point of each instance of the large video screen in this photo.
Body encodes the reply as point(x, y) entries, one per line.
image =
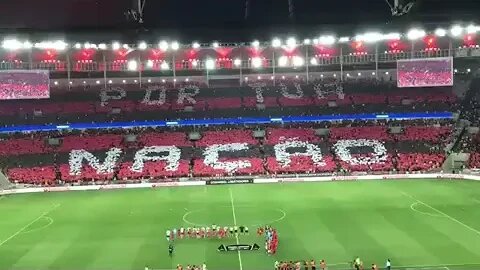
point(425, 72)
point(24, 84)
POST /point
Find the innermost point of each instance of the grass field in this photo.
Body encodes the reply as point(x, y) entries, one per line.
point(418, 224)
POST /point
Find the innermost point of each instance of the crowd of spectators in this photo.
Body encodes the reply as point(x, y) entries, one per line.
point(24, 85)
point(298, 149)
point(128, 102)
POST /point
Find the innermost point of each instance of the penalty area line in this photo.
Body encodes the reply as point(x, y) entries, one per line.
point(235, 224)
point(443, 213)
point(29, 224)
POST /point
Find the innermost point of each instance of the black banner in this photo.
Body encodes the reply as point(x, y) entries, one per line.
point(229, 181)
point(238, 247)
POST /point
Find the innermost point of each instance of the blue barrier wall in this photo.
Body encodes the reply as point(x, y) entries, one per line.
point(230, 121)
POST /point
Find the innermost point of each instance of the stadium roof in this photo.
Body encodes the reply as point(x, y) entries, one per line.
point(212, 19)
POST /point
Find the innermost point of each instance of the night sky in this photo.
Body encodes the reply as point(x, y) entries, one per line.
point(204, 19)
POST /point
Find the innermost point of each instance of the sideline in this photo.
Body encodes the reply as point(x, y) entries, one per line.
point(29, 224)
point(260, 180)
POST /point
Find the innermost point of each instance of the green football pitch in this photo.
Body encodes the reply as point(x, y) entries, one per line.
point(421, 224)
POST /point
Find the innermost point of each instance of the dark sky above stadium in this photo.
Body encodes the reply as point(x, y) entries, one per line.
point(209, 17)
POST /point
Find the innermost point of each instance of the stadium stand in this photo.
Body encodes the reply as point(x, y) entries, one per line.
point(164, 155)
point(194, 101)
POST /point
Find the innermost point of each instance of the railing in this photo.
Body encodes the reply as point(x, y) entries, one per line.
point(62, 65)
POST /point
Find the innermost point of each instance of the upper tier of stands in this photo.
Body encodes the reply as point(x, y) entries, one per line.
point(195, 101)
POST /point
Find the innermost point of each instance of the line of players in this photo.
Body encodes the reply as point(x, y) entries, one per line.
point(213, 231)
point(271, 238)
point(291, 265)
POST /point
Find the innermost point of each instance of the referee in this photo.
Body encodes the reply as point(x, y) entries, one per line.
point(388, 264)
point(170, 249)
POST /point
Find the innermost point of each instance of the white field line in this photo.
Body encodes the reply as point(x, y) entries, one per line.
point(28, 225)
point(442, 213)
point(235, 224)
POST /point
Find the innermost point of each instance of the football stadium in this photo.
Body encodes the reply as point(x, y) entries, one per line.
point(341, 150)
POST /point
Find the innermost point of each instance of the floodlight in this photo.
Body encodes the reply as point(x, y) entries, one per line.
point(187, 79)
point(237, 62)
point(194, 63)
point(307, 41)
point(164, 66)
point(392, 36)
point(115, 45)
point(11, 44)
point(125, 46)
point(175, 46)
point(55, 82)
point(196, 45)
point(87, 45)
point(78, 46)
point(276, 43)
point(102, 46)
point(255, 44)
point(132, 65)
point(471, 29)
point(343, 39)
point(282, 61)
point(142, 45)
point(59, 45)
point(298, 61)
point(256, 62)
point(110, 81)
point(291, 42)
point(259, 78)
point(210, 64)
point(440, 32)
point(415, 34)
point(215, 45)
point(27, 45)
point(315, 41)
point(313, 61)
point(149, 80)
point(163, 45)
point(124, 81)
point(370, 37)
point(97, 82)
point(326, 40)
point(149, 63)
point(456, 30)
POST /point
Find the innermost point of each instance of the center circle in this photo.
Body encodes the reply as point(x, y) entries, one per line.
point(223, 216)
